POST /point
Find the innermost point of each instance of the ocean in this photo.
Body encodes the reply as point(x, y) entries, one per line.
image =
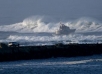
point(34, 22)
point(74, 65)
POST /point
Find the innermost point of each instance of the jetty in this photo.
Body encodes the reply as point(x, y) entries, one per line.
point(48, 51)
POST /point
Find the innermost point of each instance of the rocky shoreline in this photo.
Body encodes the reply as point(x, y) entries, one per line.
point(48, 51)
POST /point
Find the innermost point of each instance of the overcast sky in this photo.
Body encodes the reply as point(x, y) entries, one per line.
point(65, 8)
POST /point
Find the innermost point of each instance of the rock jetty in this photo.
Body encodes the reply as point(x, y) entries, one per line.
point(48, 51)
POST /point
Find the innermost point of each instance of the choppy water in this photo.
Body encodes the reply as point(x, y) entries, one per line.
point(35, 30)
point(33, 22)
point(75, 65)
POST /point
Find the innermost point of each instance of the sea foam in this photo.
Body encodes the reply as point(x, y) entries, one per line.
point(41, 24)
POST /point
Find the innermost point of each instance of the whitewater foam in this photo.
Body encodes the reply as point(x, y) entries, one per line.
point(38, 24)
point(50, 40)
point(43, 25)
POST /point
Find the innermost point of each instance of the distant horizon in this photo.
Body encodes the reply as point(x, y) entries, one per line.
point(16, 11)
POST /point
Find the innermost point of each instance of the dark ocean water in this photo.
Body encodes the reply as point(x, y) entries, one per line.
point(75, 65)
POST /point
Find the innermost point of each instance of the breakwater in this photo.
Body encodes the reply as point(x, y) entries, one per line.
point(48, 51)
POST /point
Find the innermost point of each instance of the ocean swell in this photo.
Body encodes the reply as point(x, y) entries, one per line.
point(39, 29)
point(43, 24)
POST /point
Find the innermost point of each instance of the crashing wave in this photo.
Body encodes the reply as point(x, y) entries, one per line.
point(39, 24)
point(41, 31)
point(64, 30)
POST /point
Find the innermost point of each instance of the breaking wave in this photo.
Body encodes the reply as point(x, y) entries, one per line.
point(40, 30)
point(50, 40)
point(31, 25)
point(46, 24)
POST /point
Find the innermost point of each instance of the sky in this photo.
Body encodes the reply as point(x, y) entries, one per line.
point(17, 10)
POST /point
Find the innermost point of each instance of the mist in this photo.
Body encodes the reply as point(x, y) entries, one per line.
point(16, 11)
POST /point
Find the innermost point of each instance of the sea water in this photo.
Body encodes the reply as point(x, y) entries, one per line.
point(75, 65)
point(36, 30)
point(34, 22)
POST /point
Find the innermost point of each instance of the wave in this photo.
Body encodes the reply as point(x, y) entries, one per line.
point(39, 30)
point(50, 40)
point(47, 24)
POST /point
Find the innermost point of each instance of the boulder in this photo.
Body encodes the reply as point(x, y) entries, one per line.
point(3, 45)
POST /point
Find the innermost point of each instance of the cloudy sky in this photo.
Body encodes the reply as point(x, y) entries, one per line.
point(20, 9)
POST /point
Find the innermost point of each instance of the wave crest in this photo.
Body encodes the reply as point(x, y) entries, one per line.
point(43, 24)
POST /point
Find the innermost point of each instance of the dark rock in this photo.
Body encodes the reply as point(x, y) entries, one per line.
point(48, 51)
